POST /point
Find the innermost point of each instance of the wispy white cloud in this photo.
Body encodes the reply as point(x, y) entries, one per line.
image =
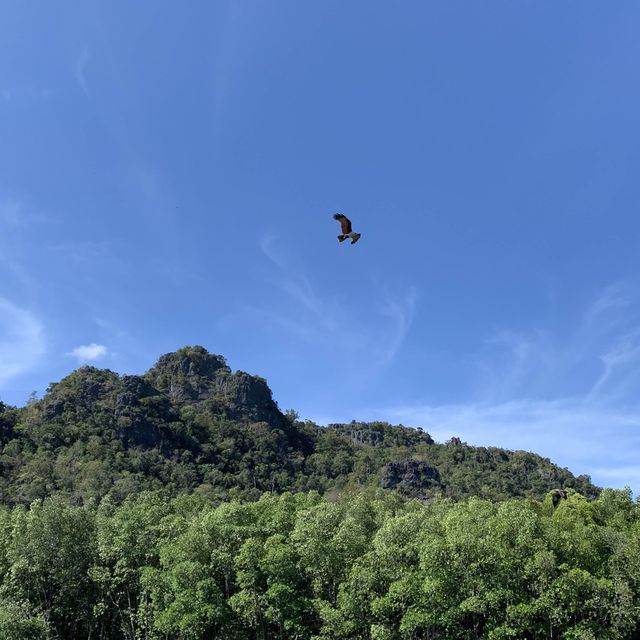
point(510, 362)
point(573, 398)
point(294, 327)
point(616, 359)
point(615, 297)
point(81, 70)
point(570, 427)
point(593, 357)
point(325, 312)
point(296, 284)
point(400, 312)
point(89, 352)
point(329, 319)
point(268, 247)
point(22, 343)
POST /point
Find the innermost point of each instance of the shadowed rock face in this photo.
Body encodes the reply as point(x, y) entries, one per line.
point(411, 477)
point(139, 409)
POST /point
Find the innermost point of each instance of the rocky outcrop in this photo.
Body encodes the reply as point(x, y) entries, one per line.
point(359, 433)
point(187, 375)
point(142, 409)
point(411, 477)
point(194, 376)
point(375, 434)
point(246, 397)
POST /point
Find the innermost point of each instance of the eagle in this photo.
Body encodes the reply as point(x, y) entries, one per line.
point(345, 225)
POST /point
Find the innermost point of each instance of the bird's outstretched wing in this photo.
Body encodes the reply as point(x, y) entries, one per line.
point(345, 223)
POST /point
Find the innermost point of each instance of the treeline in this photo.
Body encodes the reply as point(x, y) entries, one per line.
point(367, 566)
point(190, 425)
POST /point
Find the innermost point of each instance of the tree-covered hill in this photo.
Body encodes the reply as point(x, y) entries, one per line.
point(191, 425)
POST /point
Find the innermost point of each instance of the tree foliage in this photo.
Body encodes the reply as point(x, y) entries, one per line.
point(369, 565)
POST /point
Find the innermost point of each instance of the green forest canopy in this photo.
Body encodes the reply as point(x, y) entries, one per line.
point(364, 566)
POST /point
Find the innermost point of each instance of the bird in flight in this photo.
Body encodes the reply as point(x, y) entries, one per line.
point(345, 225)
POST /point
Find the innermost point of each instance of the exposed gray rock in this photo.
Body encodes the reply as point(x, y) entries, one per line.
point(193, 375)
point(360, 434)
point(411, 477)
point(374, 434)
point(246, 397)
point(187, 375)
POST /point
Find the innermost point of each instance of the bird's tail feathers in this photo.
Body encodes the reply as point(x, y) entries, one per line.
point(342, 238)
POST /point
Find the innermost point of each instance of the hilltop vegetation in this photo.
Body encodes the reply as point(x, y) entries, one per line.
point(191, 425)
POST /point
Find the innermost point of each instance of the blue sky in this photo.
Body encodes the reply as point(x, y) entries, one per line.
point(168, 175)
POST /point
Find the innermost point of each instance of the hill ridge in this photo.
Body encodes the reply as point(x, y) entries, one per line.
point(190, 424)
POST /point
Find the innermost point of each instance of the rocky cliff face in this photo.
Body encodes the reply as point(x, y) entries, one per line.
point(411, 477)
point(377, 434)
point(193, 375)
point(246, 397)
point(188, 375)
